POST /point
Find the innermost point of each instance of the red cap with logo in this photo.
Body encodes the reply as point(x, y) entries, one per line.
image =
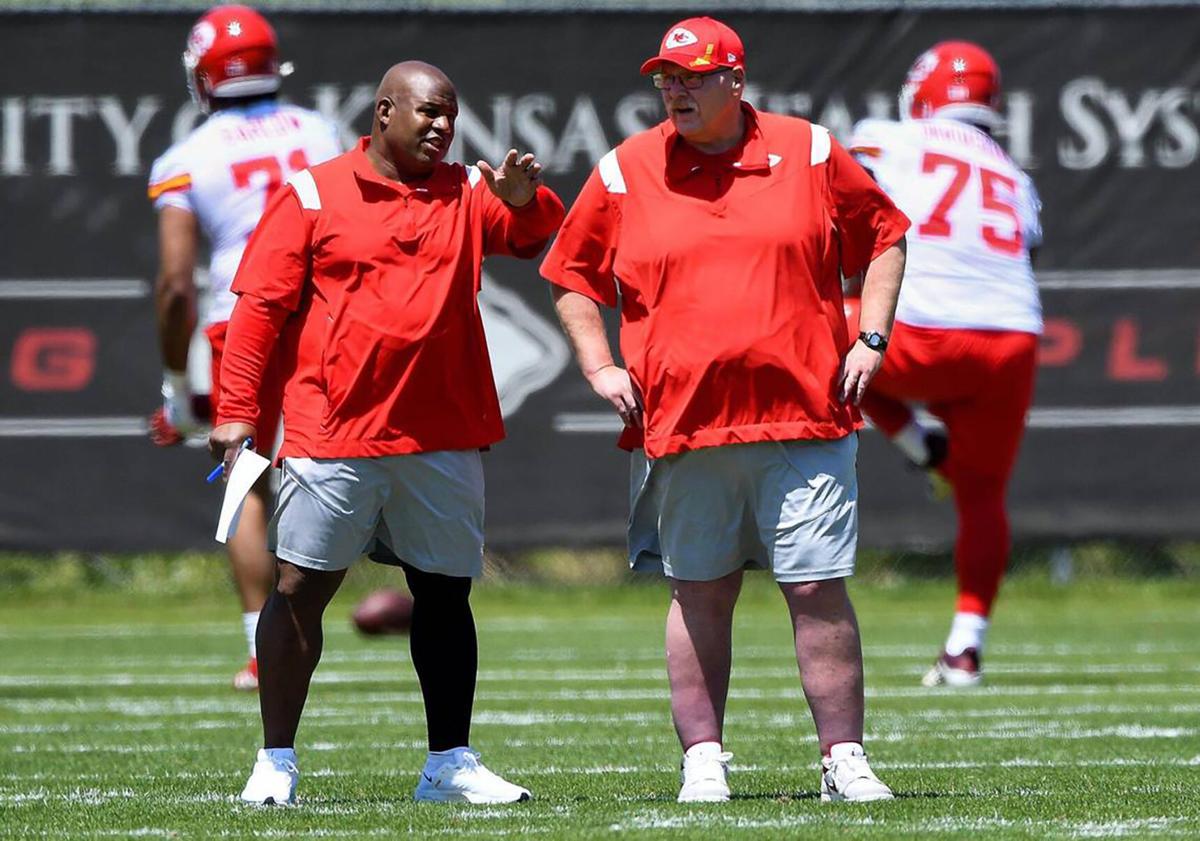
point(702, 45)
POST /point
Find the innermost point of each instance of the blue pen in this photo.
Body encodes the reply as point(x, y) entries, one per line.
point(220, 468)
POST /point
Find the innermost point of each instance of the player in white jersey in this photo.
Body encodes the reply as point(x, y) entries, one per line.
point(218, 180)
point(968, 317)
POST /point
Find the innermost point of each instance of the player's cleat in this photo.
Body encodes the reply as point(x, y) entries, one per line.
point(704, 777)
point(937, 445)
point(462, 778)
point(955, 670)
point(246, 680)
point(162, 432)
point(850, 778)
point(273, 780)
point(938, 487)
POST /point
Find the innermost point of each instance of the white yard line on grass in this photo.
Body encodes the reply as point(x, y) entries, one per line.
point(199, 672)
point(1016, 733)
point(506, 625)
point(748, 721)
point(711, 820)
point(407, 678)
point(410, 766)
point(381, 702)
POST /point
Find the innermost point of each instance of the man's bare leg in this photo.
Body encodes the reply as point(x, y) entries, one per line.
point(829, 653)
point(289, 647)
point(699, 655)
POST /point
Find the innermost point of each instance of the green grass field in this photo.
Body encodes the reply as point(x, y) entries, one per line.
point(116, 721)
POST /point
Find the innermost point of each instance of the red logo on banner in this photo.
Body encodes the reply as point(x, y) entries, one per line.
point(1125, 363)
point(1061, 342)
point(54, 359)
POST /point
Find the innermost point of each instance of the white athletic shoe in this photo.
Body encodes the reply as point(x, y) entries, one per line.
point(273, 781)
point(955, 670)
point(246, 680)
point(703, 777)
point(461, 778)
point(851, 778)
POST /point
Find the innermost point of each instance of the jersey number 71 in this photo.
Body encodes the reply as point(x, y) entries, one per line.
point(242, 171)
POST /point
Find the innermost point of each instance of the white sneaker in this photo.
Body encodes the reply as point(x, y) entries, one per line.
point(703, 776)
point(246, 680)
point(955, 670)
point(460, 777)
point(851, 778)
point(273, 780)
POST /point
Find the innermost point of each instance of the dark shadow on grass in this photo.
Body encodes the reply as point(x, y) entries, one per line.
point(777, 795)
point(812, 795)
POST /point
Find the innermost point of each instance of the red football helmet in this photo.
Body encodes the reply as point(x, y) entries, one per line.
point(957, 80)
point(232, 52)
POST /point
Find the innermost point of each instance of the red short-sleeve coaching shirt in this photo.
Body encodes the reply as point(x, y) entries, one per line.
point(728, 270)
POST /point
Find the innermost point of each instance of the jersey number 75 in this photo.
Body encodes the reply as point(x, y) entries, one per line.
point(938, 225)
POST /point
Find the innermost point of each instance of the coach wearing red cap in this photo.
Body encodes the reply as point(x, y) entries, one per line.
point(724, 234)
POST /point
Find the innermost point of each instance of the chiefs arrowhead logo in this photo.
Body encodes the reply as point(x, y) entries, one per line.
point(679, 37)
point(527, 351)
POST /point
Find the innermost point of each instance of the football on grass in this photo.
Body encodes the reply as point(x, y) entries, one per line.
point(384, 612)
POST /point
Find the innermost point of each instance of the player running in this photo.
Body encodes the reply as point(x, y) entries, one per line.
point(968, 318)
point(218, 180)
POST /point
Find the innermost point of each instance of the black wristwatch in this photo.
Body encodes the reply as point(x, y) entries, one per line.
point(873, 340)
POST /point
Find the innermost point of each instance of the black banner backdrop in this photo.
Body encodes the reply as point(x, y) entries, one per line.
point(1103, 108)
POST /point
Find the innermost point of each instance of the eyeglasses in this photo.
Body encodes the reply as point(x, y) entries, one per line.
point(691, 81)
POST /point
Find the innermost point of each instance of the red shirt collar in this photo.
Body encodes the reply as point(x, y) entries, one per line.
point(440, 181)
point(749, 155)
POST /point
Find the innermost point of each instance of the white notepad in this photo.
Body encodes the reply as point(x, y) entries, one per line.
point(246, 470)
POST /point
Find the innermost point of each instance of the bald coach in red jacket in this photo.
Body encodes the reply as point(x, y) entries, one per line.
point(364, 274)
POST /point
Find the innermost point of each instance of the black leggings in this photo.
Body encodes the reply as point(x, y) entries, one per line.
point(444, 649)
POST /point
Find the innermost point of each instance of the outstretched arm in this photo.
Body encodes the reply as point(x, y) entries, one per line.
point(528, 212)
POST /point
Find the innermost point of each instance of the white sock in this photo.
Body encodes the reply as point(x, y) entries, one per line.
point(966, 631)
point(703, 750)
point(437, 757)
point(911, 442)
point(844, 750)
point(250, 625)
point(281, 754)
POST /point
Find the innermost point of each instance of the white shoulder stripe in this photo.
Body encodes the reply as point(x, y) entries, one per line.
point(610, 173)
point(820, 145)
point(306, 189)
point(473, 176)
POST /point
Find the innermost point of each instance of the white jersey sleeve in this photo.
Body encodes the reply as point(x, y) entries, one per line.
point(869, 140)
point(170, 182)
point(1030, 211)
point(975, 216)
point(227, 169)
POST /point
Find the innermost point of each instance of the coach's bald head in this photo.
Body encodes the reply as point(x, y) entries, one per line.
point(415, 109)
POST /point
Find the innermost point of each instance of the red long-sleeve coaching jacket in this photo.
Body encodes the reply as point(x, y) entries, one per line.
point(369, 286)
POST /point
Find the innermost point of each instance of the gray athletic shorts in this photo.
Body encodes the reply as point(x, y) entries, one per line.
point(790, 507)
point(426, 507)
